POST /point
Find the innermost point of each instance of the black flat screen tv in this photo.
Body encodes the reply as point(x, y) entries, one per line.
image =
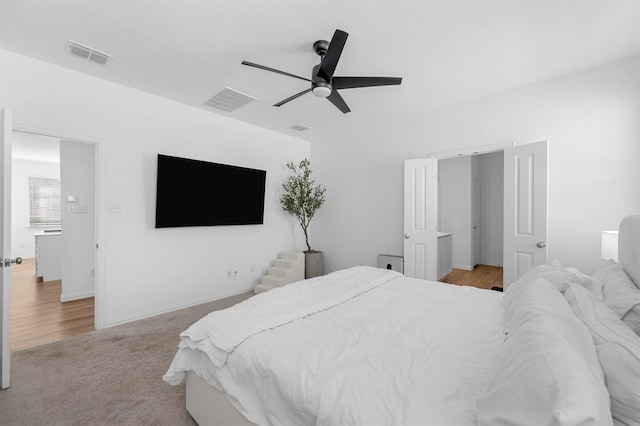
point(200, 193)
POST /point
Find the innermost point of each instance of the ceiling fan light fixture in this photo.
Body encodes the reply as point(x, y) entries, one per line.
point(321, 91)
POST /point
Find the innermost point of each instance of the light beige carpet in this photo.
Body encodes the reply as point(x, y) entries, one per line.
point(107, 377)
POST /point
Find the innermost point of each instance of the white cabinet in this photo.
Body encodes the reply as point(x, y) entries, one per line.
point(49, 255)
point(445, 254)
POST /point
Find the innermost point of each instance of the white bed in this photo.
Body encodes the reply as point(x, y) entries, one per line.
point(370, 346)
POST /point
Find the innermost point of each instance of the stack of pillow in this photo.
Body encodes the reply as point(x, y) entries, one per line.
point(621, 295)
point(572, 350)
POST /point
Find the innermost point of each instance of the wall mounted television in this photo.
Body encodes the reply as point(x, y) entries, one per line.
point(200, 193)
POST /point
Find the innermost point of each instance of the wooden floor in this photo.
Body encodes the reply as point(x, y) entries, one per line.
point(38, 316)
point(482, 276)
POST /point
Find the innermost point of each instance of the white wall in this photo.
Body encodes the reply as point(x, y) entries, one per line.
point(491, 167)
point(22, 239)
point(590, 119)
point(77, 173)
point(147, 270)
point(454, 191)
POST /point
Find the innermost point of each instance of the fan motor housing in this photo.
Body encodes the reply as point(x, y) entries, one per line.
point(315, 79)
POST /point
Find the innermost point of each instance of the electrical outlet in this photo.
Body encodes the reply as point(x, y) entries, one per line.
point(78, 208)
point(114, 207)
point(229, 273)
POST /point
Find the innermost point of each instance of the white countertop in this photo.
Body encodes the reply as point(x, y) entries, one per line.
point(41, 233)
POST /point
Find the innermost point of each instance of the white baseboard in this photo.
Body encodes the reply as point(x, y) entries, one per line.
point(167, 309)
point(465, 267)
point(77, 296)
point(491, 264)
point(468, 268)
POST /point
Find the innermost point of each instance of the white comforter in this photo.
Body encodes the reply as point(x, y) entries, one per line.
point(372, 347)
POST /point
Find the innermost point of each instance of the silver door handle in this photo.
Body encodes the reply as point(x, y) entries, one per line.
point(8, 262)
point(406, 236)
point(541, 244)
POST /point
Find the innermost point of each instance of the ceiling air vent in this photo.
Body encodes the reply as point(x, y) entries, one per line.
point(298, 127)
point(229, 100)
point(87, 52)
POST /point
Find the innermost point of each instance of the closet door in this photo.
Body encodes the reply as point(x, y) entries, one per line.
point(525, 209)
point(421, 218)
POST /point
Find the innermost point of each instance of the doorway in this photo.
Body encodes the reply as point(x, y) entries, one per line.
point(524, 210)
point(471, 198)
point(53, 230)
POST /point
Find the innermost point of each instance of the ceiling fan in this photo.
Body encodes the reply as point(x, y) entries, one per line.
point(323, 83)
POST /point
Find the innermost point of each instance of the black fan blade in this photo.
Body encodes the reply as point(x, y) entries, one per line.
point(353, 82)
point(297, 95)
point(330, 60)
point(262, 67)
point(337, 100)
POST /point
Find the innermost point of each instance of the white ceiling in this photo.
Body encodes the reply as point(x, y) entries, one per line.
point(446, 51)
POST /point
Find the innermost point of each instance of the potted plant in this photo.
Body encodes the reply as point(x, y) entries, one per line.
point(301, 199)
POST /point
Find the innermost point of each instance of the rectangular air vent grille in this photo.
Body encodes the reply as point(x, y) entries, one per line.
point(87, 52)
point(229, 100)
point(298, 127)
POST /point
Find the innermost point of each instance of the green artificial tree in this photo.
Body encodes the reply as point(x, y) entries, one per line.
point(302, 197)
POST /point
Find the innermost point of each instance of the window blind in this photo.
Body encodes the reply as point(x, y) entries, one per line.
point(44, 201)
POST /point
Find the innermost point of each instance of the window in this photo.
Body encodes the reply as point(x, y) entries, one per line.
point(44, 202)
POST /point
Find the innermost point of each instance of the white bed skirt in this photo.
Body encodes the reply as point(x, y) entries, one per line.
point(210, 407)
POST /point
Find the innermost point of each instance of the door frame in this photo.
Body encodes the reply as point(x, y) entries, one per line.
point(99, 303)
point(465, 152)
point(5, 232)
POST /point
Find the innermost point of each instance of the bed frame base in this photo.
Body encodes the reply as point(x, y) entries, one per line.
point(210, 407)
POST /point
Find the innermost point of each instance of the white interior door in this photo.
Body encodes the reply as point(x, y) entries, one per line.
point(5, 237)
point(525, 209)
point(421, 218)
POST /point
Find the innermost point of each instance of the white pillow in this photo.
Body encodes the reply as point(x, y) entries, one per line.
point(618, 349)
point(541, 380)
point(561, 278)
point(534, 297)
point(536, 271)
point(548, 371)
point(512, 293)
point(632, 319)
point(620, 294)
point(539, 298)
